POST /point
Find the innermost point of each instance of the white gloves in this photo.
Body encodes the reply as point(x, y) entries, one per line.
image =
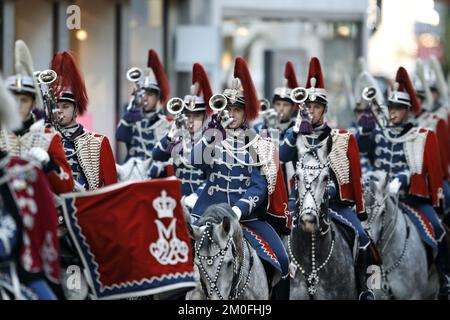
point(237, 212)
point(39, 155)
point(173, 131)
point(394, 186)
point(225, 119)
point(190, 200)
point(271, 118)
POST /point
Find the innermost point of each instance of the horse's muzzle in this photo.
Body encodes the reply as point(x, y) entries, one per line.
point(309, 220)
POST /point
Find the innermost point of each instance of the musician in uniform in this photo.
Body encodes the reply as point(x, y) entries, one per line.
point(144, 124)
point(279, 119)
point(242, 170)
point(345, 187)
point(365, 121)
point(185, 131)
point(34, 141)
point(29, 249)
point(408, 154)
point(89, 154)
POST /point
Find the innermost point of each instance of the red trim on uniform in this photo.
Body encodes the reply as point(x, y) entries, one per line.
point(56, 151)
point(353, 191)
point(107, 172)
point(429, 183)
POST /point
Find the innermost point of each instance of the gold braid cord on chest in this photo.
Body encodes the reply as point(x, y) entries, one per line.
point(20, 145)
point(88, 148)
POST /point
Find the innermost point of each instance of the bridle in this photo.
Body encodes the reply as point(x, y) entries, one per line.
point(238, 270)
point(312, 278)
point(321, 204)
point(386, 236)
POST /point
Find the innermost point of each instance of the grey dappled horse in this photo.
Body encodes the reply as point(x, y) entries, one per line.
point(405, 272)
point(226, 264)
point(134, 169)
point(322, 261)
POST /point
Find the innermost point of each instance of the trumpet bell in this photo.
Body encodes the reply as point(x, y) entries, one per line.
point(134, 74)
point(175, 105)
point(369, 93)
point(46, 76)
point(264, 104)
point(218, 102)
point(299, 95)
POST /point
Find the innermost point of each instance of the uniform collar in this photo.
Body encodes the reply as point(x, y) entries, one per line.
point(401, 130)
point(321, 132)
point(73, 132)
point(25, 126)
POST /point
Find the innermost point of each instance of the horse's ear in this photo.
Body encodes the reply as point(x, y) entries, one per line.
point(195, 232)
point(226, 224)
point(190, 231)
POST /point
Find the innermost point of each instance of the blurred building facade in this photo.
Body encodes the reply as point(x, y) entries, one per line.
point(116, 34)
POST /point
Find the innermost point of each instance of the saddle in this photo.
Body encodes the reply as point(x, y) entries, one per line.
point(347, 231)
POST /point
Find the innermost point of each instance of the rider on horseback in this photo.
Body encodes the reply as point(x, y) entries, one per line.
point(278, 120)
point(345, 187)
point(28, 222)
point(33, 141)
point(89, 154)
point(143, 125)
point(408, 154)
point(177, 144)
point(365, 121)
point(242, 171)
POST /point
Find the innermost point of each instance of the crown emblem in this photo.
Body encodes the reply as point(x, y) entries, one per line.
point(164, 205)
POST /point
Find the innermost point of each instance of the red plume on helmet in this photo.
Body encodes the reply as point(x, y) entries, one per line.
point(405, 85)
point(315, 71)
point(69, 79)
point(251, 98)
point(154, 63)
point(289, 75)
point(204, 87)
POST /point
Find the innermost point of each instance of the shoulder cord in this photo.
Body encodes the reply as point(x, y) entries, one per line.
point(229, 149)
point(82, 145)
point(407, 137)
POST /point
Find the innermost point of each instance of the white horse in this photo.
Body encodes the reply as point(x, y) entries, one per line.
point(227, 266)
point(134, 169)
point(405, 273)
point(322, 261)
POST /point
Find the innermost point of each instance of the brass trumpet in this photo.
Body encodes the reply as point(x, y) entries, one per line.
point(299, 95)
point(44, 79)
point(264, 104)
point(175, 106)
point(134, 74)
point(217, 103)
point(45, 76)
point(369, 94)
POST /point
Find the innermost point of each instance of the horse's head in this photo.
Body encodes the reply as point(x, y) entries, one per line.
point(312, 179)
point(218, 243)
point(375, 196)
point(134, 169)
